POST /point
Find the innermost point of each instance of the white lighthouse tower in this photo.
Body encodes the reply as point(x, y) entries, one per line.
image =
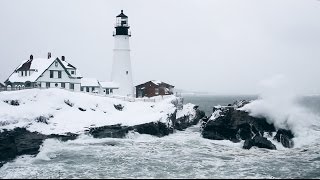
point(121, 69)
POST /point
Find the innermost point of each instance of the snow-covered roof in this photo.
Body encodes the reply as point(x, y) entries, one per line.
point(89, 82)
point(156, 82)
point(38, 66)
point(77, 75)
point(110, 85)
point(68, 65)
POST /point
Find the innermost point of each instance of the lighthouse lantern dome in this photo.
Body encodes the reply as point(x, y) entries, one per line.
point(122, 20)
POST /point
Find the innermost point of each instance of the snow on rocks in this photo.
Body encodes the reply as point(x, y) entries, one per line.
point(76, 112)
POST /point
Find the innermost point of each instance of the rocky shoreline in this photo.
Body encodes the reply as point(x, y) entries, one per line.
point(230, 123)
point(225, 123)
point(20, 141)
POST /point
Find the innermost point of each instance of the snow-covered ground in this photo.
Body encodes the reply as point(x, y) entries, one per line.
point(99, 111)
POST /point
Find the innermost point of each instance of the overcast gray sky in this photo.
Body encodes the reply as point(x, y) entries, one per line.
point(220, 46)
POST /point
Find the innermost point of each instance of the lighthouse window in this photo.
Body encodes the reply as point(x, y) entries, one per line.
point(127, 72)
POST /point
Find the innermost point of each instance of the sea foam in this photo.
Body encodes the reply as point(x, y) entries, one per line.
point(279, 103)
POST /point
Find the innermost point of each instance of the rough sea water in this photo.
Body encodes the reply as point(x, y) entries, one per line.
point(184, 154)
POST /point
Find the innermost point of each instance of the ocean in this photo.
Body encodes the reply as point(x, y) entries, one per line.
point(184, 154)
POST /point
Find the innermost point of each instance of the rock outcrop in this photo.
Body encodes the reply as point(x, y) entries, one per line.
point(20, 142)
point(285, 137)
point(113, 131)
point(158, 129)
point(260, 142)
point(229, 123)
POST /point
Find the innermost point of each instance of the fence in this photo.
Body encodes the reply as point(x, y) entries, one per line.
point(124, 98)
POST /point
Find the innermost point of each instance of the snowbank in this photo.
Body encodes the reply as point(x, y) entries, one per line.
point(84, 111)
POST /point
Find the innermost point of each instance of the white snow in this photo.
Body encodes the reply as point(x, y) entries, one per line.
point(156, 82)
point(215, 114)
point(92, 82)
point(187, 110)
point(100, 111)
point(105, 84)
point(38, 64)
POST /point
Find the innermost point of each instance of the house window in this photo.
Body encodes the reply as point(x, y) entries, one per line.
point(26, 73)
point(81, 88)
point(87, 89)
point(156, 90)
point(21, 73)
point(71, 86)
point(63, 85)
point(72, 72)
point(56, 63)
point(51, 74)
point(111, 91)
point(59, 74)
point(93, 88)
point(47, 84)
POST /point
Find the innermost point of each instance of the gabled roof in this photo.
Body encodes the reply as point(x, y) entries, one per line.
point(38, 66)
point(89, 82)
point(109, 85)
point(156, 82)
point(1, 85)
point(67, 65)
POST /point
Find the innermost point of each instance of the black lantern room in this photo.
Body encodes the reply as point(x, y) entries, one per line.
point(122, 26)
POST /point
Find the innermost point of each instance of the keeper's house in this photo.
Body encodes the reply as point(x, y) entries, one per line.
point(153, 88)
point(45, 73)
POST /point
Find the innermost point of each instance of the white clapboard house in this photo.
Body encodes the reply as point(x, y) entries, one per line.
point(45, 73)
point(54, 73)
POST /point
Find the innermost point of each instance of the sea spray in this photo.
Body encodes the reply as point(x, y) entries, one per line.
point(278, 102)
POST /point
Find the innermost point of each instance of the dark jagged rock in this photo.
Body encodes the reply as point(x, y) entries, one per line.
point(68, 103)
point(184, 122)
point(42, 119)
point(118, 107)
point(154, 128)
point(158, 129)
point(20, 141)
point(260, 142)
point(118, 131)
point(66, 137)
point(235, 125)
point(113, 131)
point(285, 137)
point(81, 109)
point(12, 102)
point(229, 123)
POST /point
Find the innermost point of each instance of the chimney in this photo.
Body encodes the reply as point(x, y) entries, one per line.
point(62, 58)
point(31, 57)
point(49, 55)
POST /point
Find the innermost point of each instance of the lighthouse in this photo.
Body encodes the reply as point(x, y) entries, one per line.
point(121, 68)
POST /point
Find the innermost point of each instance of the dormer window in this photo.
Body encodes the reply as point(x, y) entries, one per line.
point(72, 72)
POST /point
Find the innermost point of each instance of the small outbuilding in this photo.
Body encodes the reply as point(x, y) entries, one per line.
point(90, 85)
point(153, 88)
